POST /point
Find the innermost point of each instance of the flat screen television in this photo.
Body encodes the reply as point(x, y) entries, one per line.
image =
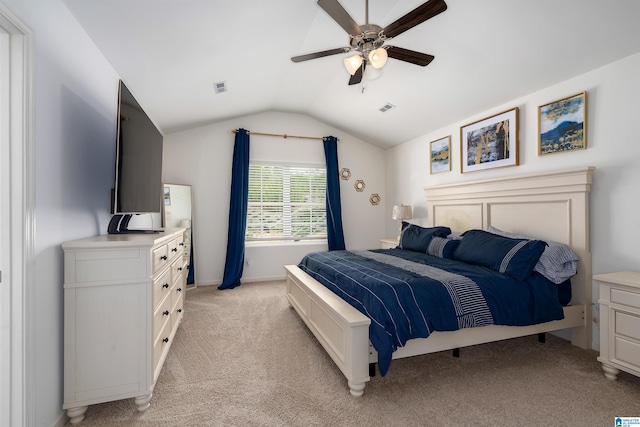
point(138, 167)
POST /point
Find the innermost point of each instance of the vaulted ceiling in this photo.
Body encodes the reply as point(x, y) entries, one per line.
point(170, 53)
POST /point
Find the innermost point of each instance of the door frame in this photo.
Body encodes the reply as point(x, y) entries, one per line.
point(17, 192)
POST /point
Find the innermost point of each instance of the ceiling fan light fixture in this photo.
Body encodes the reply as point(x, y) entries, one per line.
point(353, 63)
point(378, 57)
point(371, 73)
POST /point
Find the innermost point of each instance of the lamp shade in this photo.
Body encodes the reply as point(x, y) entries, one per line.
point(401, 212)
point(378, 57)
point(352, 63)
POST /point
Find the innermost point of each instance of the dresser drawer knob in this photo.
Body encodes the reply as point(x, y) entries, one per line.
point(163, 257)
point(179, 310)
point(166, 285)
point(165, 313)
point(165, 340)
point(181, 244)
point(179, 268)
point(179, 290)
point(174, 250)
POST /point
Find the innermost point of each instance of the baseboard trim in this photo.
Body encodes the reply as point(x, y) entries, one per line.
point(244, 280)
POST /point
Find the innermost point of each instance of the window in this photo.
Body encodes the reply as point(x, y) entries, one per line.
point(286, 203)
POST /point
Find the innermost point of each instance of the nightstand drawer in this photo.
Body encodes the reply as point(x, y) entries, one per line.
point(627, 352)
point(627, 325)
point(388, 243)
point(620, 296)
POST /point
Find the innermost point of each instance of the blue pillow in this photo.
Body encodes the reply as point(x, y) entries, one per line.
point(416, 238)
point(442, 247)
point(515, 257)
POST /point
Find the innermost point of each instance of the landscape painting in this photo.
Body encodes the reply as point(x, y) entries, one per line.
point(490, 143)
point(561, 125)
point(440, 155)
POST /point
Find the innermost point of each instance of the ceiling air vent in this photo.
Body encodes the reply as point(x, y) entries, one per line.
point(386, 107)
point(220, 87)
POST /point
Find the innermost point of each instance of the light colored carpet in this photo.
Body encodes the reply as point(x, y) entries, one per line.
point(242, 357)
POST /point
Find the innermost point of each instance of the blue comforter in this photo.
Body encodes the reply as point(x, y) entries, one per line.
point(409, 294)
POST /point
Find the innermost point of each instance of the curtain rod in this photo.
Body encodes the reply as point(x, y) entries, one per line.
point(284, 135)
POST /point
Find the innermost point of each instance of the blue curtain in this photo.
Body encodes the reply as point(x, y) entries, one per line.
point(335, 235)
point(237, 212)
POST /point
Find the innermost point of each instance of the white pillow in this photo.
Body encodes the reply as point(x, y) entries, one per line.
point(557, 263)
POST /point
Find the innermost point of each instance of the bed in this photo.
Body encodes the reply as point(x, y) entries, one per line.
point(551, 206)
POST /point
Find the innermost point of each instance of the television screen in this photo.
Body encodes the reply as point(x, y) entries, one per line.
point(138, 175)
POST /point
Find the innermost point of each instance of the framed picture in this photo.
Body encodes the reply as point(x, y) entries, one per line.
point(167, 196)
point(440, 155)
point(562, 125)
point(490, 143)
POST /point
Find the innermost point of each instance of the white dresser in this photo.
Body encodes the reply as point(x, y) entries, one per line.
point(123, 302)
point(619, 322)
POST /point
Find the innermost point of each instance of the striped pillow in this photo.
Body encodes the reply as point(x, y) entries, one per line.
point(442, 247)
point(515, 257)
point(557, 263)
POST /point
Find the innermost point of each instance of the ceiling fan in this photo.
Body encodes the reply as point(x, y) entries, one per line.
point(368, 40)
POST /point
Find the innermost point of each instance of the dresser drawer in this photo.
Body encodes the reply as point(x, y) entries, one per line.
point(176, 269)
point(627, 325)
point(162, 342)
point(174, 247)
point(177, 312)
point(160, 257)
point(161, 316)
point(177, 292)
point(161, 287)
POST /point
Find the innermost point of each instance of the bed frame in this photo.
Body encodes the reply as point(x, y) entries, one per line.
point(553, 206)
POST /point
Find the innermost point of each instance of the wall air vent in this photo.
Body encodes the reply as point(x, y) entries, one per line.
point(386, 107)
point(220, 87)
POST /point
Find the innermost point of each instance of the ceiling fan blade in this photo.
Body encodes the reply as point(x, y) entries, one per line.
point(340, 15)
point(315, 55)
point(357, 77)
point(417, 16)
point(411, 56)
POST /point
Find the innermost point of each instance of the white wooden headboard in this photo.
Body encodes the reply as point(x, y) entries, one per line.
point(548, 206)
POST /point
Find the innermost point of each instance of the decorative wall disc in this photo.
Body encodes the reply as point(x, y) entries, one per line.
point(359, 185)
point(345, 173)
point(375, 199)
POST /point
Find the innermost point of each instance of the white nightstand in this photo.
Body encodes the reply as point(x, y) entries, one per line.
point(619, 322)
point(389, 243)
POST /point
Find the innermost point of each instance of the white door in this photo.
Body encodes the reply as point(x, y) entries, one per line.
point(16, 218)
point(5, 305)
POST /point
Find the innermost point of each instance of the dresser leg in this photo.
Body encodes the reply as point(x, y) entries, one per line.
point(76, 414)
point(610, 372)
point(143, 402)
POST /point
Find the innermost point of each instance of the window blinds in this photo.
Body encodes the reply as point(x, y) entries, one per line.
point(286, 203)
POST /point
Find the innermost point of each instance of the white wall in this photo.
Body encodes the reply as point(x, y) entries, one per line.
point(75, 93)
point(613, 147)
point(202, 157)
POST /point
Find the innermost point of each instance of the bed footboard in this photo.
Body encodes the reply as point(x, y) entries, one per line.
point(342, 330)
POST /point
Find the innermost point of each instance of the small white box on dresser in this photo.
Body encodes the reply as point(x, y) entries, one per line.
point(619, 301)
point(123, 302)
